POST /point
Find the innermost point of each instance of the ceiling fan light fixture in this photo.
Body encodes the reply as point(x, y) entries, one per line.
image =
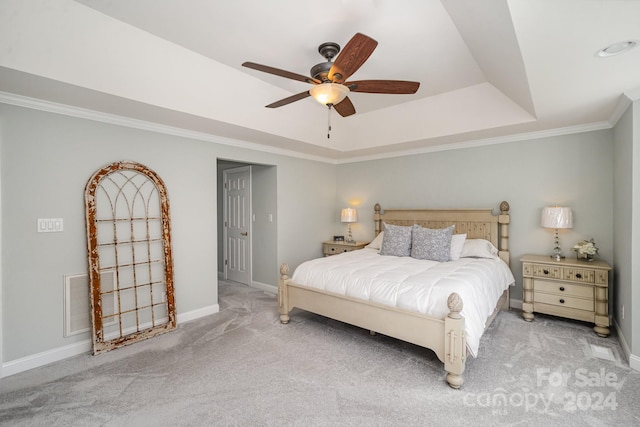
point(329, 93)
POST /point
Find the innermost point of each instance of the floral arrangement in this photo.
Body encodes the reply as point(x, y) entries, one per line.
point(586, 247)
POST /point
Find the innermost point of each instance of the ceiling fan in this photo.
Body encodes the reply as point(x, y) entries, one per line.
point(329, 79)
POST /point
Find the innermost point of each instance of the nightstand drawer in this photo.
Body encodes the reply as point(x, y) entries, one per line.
point(602, 277)
point(336, 249)
point(561, 289)
point(541, 270)
point(579, 275)
point(564, 301)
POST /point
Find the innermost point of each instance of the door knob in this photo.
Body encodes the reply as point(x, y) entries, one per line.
point(244, 234)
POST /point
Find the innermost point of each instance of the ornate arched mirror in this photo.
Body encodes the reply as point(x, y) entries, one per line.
point(129, 238)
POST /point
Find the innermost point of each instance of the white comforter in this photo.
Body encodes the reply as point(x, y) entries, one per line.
point(414, 285)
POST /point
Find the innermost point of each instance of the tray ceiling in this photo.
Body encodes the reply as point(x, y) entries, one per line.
point(487, 69)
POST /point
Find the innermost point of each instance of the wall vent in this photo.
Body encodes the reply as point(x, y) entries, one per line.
point(77, 307)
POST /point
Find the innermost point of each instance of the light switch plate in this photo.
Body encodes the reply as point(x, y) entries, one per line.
point(50, 225)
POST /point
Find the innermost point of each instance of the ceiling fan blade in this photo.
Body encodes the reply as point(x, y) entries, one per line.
point(345, 107)
point(289, 100)
point(352, 56)
point(281, 73)
point(383, 86)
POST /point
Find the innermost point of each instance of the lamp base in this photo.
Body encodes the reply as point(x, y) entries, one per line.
point(557, 252)
point(350, 236)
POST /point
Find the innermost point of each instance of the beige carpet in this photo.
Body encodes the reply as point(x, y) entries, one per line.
point(241, 367)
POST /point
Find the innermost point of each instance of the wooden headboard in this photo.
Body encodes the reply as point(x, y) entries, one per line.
point(476, 223)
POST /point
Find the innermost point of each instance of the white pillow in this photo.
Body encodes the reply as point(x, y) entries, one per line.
point(478, 248)
point(457, 243)
point(377, 242)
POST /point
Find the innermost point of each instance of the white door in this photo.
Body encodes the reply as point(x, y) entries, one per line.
point(237, 211)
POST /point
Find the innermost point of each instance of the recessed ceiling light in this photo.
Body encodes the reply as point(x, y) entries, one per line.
point(617, 48)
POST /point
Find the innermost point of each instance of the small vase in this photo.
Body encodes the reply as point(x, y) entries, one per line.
point(585, 257)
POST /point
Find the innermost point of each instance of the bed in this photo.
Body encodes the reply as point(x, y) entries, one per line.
point(337, 287)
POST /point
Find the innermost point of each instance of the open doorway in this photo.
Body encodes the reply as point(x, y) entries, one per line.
point(261, 226)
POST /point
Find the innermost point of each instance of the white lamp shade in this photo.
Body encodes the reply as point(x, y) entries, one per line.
point(329, 93)
point(557, 217)
point(348, 215)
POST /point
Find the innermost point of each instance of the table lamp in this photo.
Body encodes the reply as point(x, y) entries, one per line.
point(556, 217)
point(349, 215)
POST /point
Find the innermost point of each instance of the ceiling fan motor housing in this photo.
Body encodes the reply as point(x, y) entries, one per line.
point(320, 71)
point(329, 50)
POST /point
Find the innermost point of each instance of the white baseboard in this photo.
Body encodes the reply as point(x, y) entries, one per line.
point(623, 342)
point(56, 354)
point(44, 358)
point(634, 361)
point(265, 287)
point(196, 314)
point(272, 289)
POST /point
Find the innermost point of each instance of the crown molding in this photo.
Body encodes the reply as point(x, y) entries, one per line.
point(98, 116)
point(83, 113)
point(633, 95)
point(487, 141)
point(626, 99)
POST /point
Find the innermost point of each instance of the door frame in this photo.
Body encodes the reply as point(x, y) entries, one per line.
point(225, 246)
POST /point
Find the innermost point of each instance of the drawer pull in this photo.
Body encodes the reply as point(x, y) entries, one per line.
point(545, 271)
point(578, 275)
point(561, 301)
point(562, 288)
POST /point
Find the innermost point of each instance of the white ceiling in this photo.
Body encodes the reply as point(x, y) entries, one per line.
point(488, 69)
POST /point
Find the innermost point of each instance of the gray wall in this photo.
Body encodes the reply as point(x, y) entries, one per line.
point(265, 233)
point(627, 226)
point(623, 220)
point(635, 243)
point(573, 170)
point(46, 160)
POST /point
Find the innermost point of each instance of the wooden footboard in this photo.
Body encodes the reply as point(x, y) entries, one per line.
point(445, 337)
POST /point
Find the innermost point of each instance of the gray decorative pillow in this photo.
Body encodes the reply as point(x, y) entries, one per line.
point(434, 245)
point(396, 240)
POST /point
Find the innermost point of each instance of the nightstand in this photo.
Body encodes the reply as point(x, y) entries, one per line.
point(568, 288)
point(334, 248)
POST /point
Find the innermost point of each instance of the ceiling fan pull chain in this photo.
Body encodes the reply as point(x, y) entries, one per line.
point(329, 121)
